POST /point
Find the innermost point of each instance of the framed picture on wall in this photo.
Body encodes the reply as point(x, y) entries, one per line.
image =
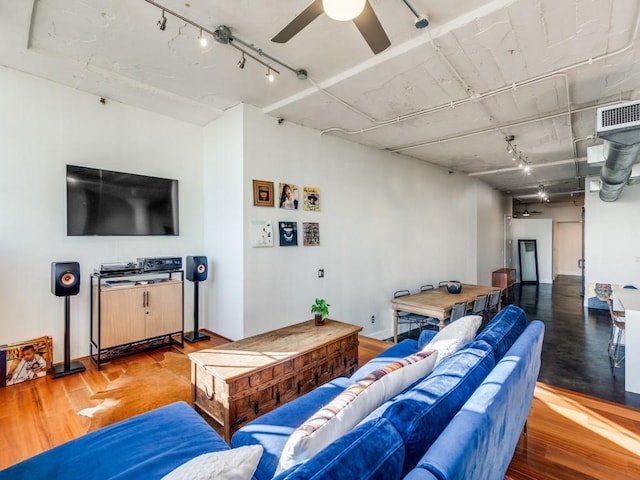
point(261, 233)
point(288, 196)
point(288, 234)
point(262, 193)
point(598, 295)
point(311, 234)
point(311, 199)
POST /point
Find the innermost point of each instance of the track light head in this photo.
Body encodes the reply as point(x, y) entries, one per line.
point(269, 75)
point(162, 23)
point(241, 62)
point(202, 39)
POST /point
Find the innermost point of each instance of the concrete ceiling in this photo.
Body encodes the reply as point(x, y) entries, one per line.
point(448, 94)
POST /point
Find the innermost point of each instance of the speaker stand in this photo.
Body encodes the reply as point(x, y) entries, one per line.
point(68, 367)
point(196, 336)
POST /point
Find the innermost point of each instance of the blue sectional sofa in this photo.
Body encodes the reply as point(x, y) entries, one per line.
point(145, 446)
point(409, 426)
point(461, 421)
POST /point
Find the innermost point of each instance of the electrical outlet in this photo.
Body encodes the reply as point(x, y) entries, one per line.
point(373, 319)
point(321, 273)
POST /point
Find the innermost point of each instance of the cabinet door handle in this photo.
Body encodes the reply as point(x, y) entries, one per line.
point(144, 299)
point(147, 294)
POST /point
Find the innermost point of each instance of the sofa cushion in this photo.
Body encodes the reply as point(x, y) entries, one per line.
point(422, 413)
point(345, 411)
point(144, 446)
point(425, 337)
point(452, 337)
point(480, 440)
point(373, 450)
point(503, 330)
point(234, 464)
point(392, 354)
point(273, 429)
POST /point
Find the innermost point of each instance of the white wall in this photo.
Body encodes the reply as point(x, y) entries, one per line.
point(223, 223)
point(540, 230)
point(612, 250)
point(560, 212)
point(388, 222)
point(490, 232)
point(44, 126)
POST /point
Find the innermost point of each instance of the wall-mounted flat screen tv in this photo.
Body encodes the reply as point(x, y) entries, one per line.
point(102, 202)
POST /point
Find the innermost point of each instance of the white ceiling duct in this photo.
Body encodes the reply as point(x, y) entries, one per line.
point(619, 127)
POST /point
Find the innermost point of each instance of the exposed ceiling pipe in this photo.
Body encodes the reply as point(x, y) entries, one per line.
point(513, 86)
point(617, 169)
point(495, 129)
point(619, 126)
point(514, 169)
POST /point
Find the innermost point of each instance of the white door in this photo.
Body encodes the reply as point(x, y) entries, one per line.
point(569, 248)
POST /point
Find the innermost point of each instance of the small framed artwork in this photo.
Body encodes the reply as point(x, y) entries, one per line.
point(288, 234)
point(311, 199)
point(311, 234)
point(261, 233)
point(24, 361)
point(288, 196)
point(262, 193)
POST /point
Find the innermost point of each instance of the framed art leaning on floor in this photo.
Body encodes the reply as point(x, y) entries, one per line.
point(24, 361)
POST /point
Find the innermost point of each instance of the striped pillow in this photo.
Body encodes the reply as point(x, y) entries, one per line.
point(350, 407)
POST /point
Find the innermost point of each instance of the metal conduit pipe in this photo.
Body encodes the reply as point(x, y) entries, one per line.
point(617, 168)
point(497, 91)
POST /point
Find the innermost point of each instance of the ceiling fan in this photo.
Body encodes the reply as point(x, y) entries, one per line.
point(358, 11)
point(526, 213)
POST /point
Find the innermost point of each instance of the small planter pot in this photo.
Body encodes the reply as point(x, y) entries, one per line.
point(319, 320)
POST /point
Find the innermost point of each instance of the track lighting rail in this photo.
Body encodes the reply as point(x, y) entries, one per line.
point(222, 34)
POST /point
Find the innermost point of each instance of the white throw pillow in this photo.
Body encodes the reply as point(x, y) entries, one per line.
point(452, 337)
point(236, 464)
point(350, 407)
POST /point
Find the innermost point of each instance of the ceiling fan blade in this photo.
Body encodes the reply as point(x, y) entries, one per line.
point(307, 16)
point(371, 29)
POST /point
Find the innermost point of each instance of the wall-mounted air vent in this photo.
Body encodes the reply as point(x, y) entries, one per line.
point(618, 117)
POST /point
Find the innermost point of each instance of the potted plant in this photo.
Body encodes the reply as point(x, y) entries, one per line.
point(321, 310)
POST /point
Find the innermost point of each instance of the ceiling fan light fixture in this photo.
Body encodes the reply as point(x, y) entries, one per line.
point(343, 10)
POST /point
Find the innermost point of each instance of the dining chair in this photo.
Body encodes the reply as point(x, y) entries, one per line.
point(616, 339)
point(430, 323)
point(479, 306)
point(458, 310)
point(408, 317)
point(493, 305)
point(443, 283)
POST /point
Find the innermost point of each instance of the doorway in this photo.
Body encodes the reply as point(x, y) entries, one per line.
point(568, 248)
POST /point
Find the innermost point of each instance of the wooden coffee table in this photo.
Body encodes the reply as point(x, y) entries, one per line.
point(237, 382)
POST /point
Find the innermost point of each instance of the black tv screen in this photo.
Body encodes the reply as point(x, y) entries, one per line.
point(102, 202)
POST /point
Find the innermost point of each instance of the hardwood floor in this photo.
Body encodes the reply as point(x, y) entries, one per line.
point(574, 436)
point(571, 436)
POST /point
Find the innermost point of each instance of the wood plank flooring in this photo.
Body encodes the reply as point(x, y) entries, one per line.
point(571, 436)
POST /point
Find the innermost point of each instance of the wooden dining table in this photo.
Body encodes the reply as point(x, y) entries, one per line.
point(436, 303)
